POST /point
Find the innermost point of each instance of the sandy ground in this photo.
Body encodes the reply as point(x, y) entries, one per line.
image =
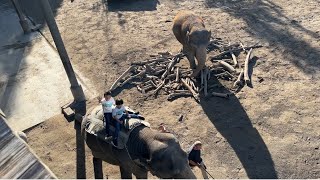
point(268, 131)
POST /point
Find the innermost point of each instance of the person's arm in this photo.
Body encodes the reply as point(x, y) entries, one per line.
point(114, 114)
point(127, 113)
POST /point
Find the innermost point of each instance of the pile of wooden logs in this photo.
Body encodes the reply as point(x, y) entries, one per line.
point(162, 72)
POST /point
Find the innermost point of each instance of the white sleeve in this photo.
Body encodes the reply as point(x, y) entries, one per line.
point(114, 112)
point(113, 102)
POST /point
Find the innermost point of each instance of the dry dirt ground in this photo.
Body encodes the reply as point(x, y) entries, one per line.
point(269, 131)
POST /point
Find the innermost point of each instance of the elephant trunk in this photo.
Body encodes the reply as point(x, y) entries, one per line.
point(201, 55)
point(186, 174)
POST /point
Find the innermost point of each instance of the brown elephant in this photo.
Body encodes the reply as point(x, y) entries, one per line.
point(145, 150)
point(190, 31)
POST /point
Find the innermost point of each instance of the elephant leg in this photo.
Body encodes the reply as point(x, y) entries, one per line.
point(142, 175)
point(125, 174)
point(97, 165)
point(190, 53)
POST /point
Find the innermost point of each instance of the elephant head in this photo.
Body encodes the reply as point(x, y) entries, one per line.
point(164, 158)
point(198, 39)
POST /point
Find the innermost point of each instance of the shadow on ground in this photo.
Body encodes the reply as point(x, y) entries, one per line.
point(131, 5)
point(266, 20)
point(233, 123)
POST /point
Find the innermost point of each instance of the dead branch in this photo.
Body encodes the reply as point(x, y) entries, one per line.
point(194, 94)
point(159, 72)
point(227, 66)
point(234, 58)
point(177, 74)
point(239, 81)
point(141, 90)
point(242, 46)
point(170, 65)
point(159, 87)
point(149, 68)
point(246, 68)
point(232, 76)
point(160, 59)
point(151, 77)
point(234, 50)
point(181, 91)
point(140, 75)
point(114, 85)
point(223, 95)
point(174, 95)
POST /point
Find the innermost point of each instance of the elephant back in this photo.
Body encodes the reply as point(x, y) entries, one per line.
point(94, 125)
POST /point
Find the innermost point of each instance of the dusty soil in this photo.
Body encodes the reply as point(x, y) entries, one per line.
point(268, 131)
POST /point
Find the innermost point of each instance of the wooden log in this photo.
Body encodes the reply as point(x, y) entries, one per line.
point(174, 95)
point(164, 75)
point(242, 46)
point(194, 94)
point(239, 81)
point(177, 74)
point(160, 59)
point(170, 65)
point(152, 83)
point(159, 72)
point(114, 85)
point(151, 77)
point(234, 50)
point(179, 91)
point(246, 68)
point(149, 68)
point(223, 95)
point(234, 58)
point(140, 74)
point(148, 88)
point(159, 87)
point(141, 90)
point(227, 66)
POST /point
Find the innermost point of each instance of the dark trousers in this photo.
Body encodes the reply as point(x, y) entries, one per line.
point(117, 126)
point(107, 121)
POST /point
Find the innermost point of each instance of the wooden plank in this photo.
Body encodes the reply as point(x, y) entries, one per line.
point(17, 161)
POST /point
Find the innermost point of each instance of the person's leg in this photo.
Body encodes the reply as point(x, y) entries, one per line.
point(133, 116)
point(108, 119)
point(105, 120)
point(116, 133)
point(203, 171)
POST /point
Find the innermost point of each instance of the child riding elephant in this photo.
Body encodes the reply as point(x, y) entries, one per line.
point(119, 114)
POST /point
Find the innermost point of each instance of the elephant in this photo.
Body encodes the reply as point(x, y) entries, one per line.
point(145, 150)
point(190, 31)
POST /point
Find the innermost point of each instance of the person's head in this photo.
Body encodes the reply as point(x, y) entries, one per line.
point(198, 145)
point(107, 95)
point(119, 103)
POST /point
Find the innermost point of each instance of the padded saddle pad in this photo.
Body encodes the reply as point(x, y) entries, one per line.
point(95, 126)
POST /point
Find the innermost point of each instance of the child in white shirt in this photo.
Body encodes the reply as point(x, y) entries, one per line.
point(119, 114)
point(107, 105)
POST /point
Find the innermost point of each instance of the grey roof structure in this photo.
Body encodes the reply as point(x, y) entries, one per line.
point(17, 160)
